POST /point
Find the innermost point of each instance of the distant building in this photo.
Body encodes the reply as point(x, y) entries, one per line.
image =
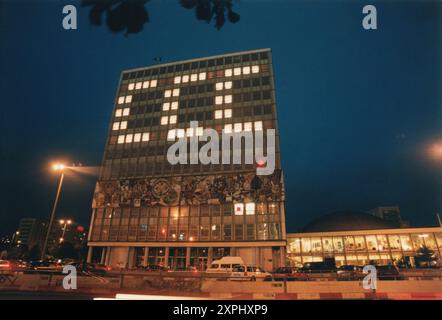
point(31, 232)
point(391, 214)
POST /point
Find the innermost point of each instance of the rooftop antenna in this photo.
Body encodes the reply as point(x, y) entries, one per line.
point(157, 59)
point(438, 219)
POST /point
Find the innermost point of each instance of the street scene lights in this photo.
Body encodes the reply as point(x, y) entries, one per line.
point(64, 224)
point(57, 167)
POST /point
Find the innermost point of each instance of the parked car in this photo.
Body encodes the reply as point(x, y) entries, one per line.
point(92, 268)
point(388, 272)
point(318, 267)
point(289, 274)
point(155, 267)
point(251, 273)
point(225, 265)
point(45, 266)
point(5, 267)
point(349, 272)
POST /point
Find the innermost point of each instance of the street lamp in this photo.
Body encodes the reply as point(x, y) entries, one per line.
point(58, 167)
point(64, 223)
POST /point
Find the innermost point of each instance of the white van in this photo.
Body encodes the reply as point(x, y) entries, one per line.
point(225, 264)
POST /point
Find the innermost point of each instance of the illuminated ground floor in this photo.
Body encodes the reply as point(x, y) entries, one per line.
point(402, 246)
point(266, 254)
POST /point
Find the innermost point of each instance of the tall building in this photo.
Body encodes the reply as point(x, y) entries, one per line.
point(31, 232)
point(148, 210)
point(391, 214)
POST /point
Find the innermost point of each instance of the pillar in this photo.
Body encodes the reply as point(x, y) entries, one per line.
point(146, 256)
point(103, 255)
point(166, 257)
point(89, 255)
point(209, 255)
point(187, 256)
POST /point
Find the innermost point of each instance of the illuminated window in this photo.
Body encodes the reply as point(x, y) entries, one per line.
point(128, 99)
point(166, 106)
point(239, 209)
point(138, 85)
point(174, 105)
point(137, 137)
point(218, 114)
point(129, 138)
point(228, 128)
point(218, 99)
point(228, 113)
point(219, 86)
point(145, 84)
point(167, 93)
point(228, 73)
point(228, 85)
point(116, 126)
point(123, 125)
point(248, 126)
point(177, 80)
point(164, 120)
point(199, 131)
point(130, 86)
point(246, 70)
point(237, 71)
point(189, 132)
point(171, 134)
point(193, 77)
point(255, 69)
point(120, 138)
point(120, 100)
point(258, 125)
point(250, 208)
point(237, 127)
point(202, 76)
point(172, 119)
point(176, 92)
point(126, 111)
point(118, 112)
point(185, 78)
point(145, 137)
point(228, 99)
point(180, 133)
point(153, 83)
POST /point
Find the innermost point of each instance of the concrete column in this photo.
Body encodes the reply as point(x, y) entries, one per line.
point(283, 257)
point(233, 251)
point(187, 256)
point(89, 255)
point(209, 255)
point(108, 255)
point(166, 257)
point(130, 257)
point(103, 255)
point(146, 256)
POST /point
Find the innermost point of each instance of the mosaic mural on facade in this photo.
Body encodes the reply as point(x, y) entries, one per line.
point(188, 190)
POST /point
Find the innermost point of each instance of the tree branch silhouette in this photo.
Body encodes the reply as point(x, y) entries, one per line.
point(130, 16)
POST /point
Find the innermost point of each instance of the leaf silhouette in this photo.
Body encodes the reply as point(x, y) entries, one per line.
point(121, 15)
point(130, 16)
point(207, 10)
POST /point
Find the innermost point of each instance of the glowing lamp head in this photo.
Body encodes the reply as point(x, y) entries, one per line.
point(58, 167)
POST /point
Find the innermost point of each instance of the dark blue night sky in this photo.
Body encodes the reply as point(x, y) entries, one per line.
point(357, 109)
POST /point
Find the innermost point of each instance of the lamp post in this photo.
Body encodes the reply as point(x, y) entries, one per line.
point(64, 223)
point(57, 167)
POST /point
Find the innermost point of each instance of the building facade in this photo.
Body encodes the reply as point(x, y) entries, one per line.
point(362, 247)
point(31, 232)
point(148, 211)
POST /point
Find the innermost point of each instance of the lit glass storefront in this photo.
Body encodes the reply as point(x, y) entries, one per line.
point(384, 246)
